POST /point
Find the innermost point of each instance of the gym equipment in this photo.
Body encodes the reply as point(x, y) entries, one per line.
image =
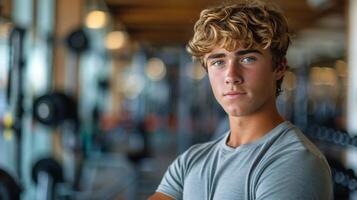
point(15, 91)
point(9, 188)
point(59, 109)
point(46, 173)
point(54, 108)
point(329, 135)
point(77, 41)
point(51, 109)
point(57, 106)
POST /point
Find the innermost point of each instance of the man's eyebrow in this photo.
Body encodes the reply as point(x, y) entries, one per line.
point(238, 53)
point(216, 55)
point(243, 52)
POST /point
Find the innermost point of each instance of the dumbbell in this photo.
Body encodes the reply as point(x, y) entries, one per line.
point(46, 173)
point(9, 188)
point(77, 41)
point(54, 108)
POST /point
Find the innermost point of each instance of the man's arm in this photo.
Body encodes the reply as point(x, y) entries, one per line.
point(172, 184)
point(159, 196)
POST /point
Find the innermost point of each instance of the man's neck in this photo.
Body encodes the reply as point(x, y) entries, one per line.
point(247, 129)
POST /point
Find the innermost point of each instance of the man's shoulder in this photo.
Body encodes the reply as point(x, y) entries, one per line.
point(292, 151)
point(294, 164)
point(292, 139)
point(292, 145)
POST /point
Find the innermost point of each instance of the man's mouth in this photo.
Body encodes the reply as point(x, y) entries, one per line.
point(234, 94)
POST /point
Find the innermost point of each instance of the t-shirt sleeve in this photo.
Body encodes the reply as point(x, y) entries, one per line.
point(299, 176)
point(173, 180)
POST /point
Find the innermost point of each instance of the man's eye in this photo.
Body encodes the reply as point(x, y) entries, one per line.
point(218, 63)
point(248, 60)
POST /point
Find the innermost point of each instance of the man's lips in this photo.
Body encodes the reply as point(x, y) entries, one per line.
point(233, 94)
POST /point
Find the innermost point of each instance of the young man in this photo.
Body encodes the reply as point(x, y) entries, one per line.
point(243, 47)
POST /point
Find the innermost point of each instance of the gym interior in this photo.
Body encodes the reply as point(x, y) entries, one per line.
point(97, 97)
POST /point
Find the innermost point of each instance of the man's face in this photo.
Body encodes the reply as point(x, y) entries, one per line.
point(243, 81)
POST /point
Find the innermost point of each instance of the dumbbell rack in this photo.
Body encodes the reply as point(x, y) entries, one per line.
point(9, 185)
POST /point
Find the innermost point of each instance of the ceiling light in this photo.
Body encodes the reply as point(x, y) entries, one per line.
point(115, 40)
point(155, 69)
point(96, 19)
point(196, 71)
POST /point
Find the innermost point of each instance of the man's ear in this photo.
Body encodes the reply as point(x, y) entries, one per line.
point(280, 69)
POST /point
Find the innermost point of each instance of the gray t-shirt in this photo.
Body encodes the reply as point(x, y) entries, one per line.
point(283, 164)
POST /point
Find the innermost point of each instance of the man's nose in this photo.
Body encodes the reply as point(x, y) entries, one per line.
point(233, 73)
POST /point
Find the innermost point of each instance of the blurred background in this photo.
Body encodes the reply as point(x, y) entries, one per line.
point(97, 97)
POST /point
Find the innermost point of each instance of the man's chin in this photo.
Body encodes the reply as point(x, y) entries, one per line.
point(235, 112)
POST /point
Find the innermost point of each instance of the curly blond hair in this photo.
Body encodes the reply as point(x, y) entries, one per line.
point(249, 23)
